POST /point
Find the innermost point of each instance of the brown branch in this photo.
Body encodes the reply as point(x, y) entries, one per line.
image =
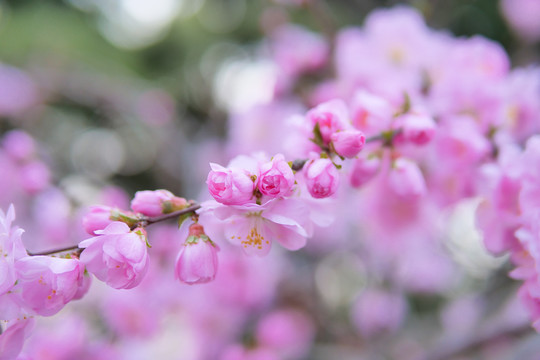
point(192, 208)
point(55, 251)
point(144, 221)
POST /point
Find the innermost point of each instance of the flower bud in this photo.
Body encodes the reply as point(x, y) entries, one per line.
point(330, 116)
point(156, 203)
point(197, 261)
point(230, 186)
point(277, 177)
point(348, 143)
point(322, 178)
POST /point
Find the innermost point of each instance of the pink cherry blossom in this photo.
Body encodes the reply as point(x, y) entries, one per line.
point(276, 177)
point(498, 215)
point(331, 116)
point(529, 193)
point(98, 218)
point(254, 227)
point(230, 186)
point(11, 249)
point(155, 203)
point(46, 283)
point(322, 178)
point(117, 256)
point(197, 261)
point(348, 143)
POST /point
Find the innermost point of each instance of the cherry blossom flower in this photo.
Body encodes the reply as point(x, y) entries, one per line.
point(254, 227)
point(47, 283)
point(197, 261)
point(276, 177)
point(231, 186)
point(117, 256)
point(322, 178)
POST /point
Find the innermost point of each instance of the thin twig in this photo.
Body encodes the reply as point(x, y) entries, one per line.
point(55, 251)
point(144, 221)
point(172, 215)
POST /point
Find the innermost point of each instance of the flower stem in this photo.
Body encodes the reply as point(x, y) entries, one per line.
point(150, 221)
point(55, 251)
point(144, 221)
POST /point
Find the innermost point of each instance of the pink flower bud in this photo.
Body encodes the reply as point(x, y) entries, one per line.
point(48, 283)
point(197, 261)
point(230, 186)
point(322, 178)
point(156, 203)
point(117, 255)
point(97, 219)
point(348, 143)
point(406, 178)
point(363, 170)
point(331, 116)
point(277, 177)
point(417, 128)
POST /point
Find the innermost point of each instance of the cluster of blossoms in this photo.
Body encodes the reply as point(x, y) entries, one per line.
point(453, 124)
point(400, 137)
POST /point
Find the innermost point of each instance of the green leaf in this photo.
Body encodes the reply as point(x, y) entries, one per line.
point(183, 218)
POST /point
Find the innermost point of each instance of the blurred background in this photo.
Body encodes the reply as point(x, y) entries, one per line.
point(126, 95)
point(112, 69)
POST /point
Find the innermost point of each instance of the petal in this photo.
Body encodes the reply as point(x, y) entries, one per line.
point(116, 227)
point(291, 213)
point(288, 237)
